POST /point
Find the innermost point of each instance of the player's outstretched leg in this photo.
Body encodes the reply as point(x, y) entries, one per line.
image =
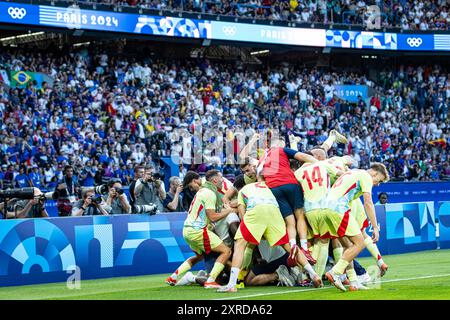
point(333, 137)
point(302, 261)
point(225, 254)
point(349, 254)
point(183, 268)
point(322, 256)
point(373, 249)
point(238, 257)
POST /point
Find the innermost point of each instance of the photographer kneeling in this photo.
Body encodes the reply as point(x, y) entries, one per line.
point(89, 206)
point(149, 193)
point(117, 202)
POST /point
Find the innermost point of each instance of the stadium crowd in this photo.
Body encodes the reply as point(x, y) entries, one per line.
point(105, 114)
point(405, 14)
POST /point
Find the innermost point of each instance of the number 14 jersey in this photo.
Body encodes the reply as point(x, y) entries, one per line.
point(315, 181)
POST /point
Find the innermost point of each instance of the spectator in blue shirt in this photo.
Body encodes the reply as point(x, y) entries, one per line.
point(36, 177)
point(22, 180)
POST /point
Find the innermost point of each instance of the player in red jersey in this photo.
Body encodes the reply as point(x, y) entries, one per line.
point(274, 166)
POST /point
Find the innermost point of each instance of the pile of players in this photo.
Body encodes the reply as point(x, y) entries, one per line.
point(283, 197)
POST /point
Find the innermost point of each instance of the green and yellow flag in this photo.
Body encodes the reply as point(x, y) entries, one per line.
point(20, 79)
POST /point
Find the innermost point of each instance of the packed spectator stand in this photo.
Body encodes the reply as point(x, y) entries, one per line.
point(107, 113)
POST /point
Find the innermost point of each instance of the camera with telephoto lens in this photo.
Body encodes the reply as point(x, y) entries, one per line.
point(45, 196)
point(96, 199)
point(101, 189)
point(19, 193)
point(150, 209)
point(119, 191)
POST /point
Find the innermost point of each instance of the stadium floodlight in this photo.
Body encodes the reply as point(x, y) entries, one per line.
point(75, 45)
point(25, 36)
point(255, 53)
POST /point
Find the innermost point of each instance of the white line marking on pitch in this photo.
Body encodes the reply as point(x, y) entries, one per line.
point(324, 288)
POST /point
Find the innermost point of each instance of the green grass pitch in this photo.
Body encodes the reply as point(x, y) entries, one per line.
point(422, 275)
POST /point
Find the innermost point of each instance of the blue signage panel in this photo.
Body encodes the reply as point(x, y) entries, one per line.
point(43, 250)
point(12, 12)
point(267, 34)
point(413, 191)
point(410, 227)
point(442, 42)
point(73, 17)
point(416, 42)
point(361, 39)
point(444, 223)
point(351, 92)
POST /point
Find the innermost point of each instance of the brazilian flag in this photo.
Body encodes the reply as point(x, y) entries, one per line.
point(20, 79)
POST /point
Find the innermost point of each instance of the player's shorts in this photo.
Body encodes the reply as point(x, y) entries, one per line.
point(358, 212)
point(289, 198)
point(201, 241)
point(326, 223)
point(264, 220)
point(270, 267)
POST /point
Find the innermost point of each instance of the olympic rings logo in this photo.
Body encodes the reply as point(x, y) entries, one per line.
point(414, 42)
point(17, 13)
point(229, 30)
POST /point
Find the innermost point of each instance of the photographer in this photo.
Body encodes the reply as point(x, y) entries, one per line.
point(34, 208)
point(174, 199)
point(9, 209)
point(66, 192)
point(117, 202)
point(138, 174)
point(89, 206)
point(150, 189)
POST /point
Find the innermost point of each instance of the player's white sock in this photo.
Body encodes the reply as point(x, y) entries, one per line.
point(328, 143)
point(183, 268)
point(233, 277)
point(373, 249)
point(304, 244)
point(310, 270)
point(293, 242)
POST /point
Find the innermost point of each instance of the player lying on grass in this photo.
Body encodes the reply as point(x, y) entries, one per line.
point(261, 218)
point(204, 209)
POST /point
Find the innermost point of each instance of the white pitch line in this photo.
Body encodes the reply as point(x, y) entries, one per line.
point(324, 288)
